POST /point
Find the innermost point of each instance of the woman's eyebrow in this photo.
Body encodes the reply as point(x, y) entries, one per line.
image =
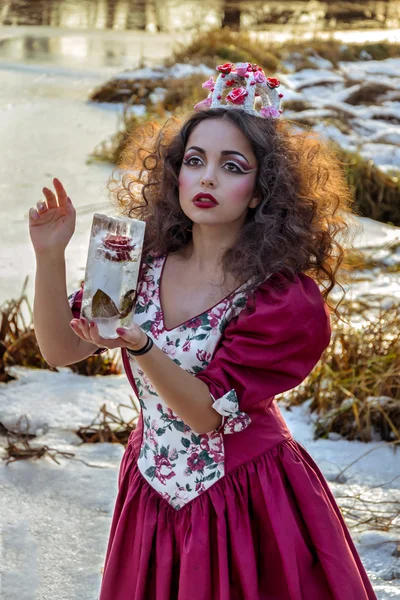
point(224, 152)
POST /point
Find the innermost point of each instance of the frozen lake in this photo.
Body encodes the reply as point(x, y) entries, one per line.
point(48, 129)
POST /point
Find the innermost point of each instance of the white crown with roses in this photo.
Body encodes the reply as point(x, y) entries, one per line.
point(243, 83)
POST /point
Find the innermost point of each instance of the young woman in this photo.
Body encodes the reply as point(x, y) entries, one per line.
point(216, 499)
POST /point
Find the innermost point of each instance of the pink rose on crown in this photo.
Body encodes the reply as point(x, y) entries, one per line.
point(259, 77)
point(237, 96)
point(241, 69)
point(204, 104)
point(225, 69)
point(269, 112)
point(273, 82)
point(209, 84)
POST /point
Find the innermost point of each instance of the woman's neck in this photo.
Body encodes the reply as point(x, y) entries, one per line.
point(207, 246)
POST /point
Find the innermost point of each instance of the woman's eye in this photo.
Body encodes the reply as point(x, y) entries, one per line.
point(190, 160)
point(233, 167)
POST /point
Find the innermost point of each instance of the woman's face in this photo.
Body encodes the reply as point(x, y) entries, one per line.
point(218, 162)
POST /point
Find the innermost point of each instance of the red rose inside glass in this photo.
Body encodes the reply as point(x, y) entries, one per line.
point(119, 247)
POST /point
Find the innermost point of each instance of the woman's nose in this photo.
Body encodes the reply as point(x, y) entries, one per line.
point(207, 181)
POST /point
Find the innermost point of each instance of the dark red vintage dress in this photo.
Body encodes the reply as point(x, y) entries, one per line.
point(243, 512)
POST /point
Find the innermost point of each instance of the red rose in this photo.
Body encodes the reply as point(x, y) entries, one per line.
point(226, 68)
point(201, 355)
point(195, 463)
point(120, 245)
point(273, 83)
point(230, 82)
point(237, 96)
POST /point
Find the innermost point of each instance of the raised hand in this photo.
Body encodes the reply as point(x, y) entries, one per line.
point(52, 222)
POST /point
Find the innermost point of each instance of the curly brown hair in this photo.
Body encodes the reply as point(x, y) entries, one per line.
point(301, 224)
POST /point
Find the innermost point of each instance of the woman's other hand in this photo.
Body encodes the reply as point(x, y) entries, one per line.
point(130, 337)
point(52, 222)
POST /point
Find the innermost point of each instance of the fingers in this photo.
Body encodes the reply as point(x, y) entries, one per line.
point(33, 214)
point(133, 335)
point(78, 327)
point(50, 197)
point(51, 201)
point(41, 208)
point(90, 333)
point(61, 193)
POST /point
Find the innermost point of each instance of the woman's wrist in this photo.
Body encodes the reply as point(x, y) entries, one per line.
point(144, 350)
point(139, 345)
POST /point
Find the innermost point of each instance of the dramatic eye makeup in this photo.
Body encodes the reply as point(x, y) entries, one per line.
point(239, 166)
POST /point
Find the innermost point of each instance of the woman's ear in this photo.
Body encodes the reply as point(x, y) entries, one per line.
point(255, 201)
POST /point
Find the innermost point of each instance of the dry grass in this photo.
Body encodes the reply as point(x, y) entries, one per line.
point(107, 427)
point(18, 344)
point(355, 388)
point(135, 91)
point(110, 150)
point(359, 261)
point(335, 51)
point(376, 194)
point(19, 447)
point(225, 45)
point(181, 96)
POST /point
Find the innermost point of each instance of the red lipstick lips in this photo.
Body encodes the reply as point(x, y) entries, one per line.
point(204, 200)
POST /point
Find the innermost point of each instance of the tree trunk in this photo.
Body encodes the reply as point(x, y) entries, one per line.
point(232, 14)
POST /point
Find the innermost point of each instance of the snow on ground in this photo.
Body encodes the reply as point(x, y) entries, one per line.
point(51, 130)
point(361, 71)
point(372, 130)
point(55, 519)
point(178, 71)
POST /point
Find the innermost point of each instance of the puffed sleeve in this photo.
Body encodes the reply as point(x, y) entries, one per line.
point(75, 303)
point(269, 350)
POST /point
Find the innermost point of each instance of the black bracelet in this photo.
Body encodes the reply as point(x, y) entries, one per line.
point(148, 346)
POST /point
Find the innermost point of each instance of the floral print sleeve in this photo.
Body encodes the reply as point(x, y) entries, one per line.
point(228, 406)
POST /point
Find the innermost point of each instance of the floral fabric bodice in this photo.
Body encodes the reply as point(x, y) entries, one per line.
point(174, 460)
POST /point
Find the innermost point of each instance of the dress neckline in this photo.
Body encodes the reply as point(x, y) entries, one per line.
point(164, 260)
